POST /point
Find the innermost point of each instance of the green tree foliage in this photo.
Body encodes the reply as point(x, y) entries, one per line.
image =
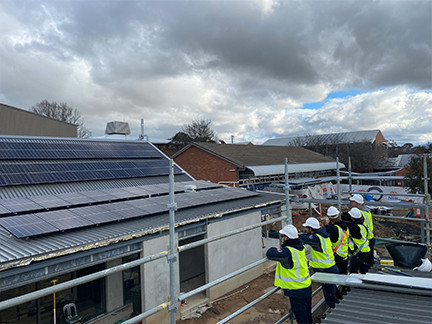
point(414, 179)
point(61, 111)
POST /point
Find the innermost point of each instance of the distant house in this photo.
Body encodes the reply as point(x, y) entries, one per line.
point(251, 165)
point(15, 121)
point(369, 136)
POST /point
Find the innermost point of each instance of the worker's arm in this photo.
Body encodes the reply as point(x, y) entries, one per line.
point(333, 232)
point(312, 240)
point(354, 231)
point(281, 255)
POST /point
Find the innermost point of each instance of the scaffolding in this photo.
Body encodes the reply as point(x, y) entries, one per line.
point(172, 255)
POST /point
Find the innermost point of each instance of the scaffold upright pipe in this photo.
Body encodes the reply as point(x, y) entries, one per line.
point(349, 175)
point(427, 200)
point(172, 256)
point(287, 203)
point(338, 187)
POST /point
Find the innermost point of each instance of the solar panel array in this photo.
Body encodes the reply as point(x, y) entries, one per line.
point(37, 223)
point(45, 150)
point(39, 173)
point(66, 200)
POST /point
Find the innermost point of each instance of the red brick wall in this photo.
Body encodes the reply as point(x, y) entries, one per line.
point(205, 166)
point(379, 138)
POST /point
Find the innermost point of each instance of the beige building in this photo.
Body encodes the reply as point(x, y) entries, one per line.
point(15, 121)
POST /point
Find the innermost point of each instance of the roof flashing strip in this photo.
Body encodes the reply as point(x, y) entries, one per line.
point(266, 170)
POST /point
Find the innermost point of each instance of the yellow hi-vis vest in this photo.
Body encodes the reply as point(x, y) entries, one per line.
point(298, 276)
point(354, 243)
point(368, 223)
point(323, 259)
point(341, 246)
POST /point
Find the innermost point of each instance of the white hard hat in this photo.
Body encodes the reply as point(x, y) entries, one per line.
point(312, 222)
point(332, 212)
point(355, 213)
point(357, 198)
point(290, 231)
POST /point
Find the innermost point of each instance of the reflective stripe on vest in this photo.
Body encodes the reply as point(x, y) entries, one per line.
point(356, 243)
point(341, 246)
point(298, 276)
point(368, 223)
point(323, 259)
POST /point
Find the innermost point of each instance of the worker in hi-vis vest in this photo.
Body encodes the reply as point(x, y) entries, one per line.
point(322, 258)
point(292, 273)
point(358, 241)
point(339, 233)
point(358, 202)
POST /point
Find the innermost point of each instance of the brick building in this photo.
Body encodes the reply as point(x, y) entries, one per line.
point(250, 165)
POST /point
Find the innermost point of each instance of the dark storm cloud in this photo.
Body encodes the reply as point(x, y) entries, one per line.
point(217, 59)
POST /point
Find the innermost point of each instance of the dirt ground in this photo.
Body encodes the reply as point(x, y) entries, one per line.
point(268, 311)
point(274, 307)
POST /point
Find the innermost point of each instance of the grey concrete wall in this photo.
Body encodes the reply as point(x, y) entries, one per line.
point(114, 287)
point(232, 253)
point(15, 121)
point(155, 278)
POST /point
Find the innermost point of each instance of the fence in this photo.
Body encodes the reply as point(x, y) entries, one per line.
point(171, 255)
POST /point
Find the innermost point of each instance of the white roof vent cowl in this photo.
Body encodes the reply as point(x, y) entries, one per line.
point(117, 127)
point(190, 188)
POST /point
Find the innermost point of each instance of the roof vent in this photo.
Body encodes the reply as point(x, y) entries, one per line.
point(116, 127)
point(190, 188)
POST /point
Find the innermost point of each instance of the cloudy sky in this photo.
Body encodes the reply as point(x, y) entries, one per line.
point(257, 69)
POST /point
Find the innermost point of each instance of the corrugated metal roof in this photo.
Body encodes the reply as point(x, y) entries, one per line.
point(23, 251)
point(326, 139)
point(381, 307)
point(264, 170)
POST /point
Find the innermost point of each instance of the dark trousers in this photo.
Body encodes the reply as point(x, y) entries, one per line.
point(329, 291)
point(302, 309)
point(341, 263)
point(370, 259)
point(359, 263)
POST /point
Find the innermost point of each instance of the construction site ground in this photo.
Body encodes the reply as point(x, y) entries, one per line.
point(271, 309)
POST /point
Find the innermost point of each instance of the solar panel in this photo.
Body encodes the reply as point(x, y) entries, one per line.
point(75, 150)
point(75, 198)
point(50, 201)
point(4, 209)
point(16, 205)
point(36, 173)
point(26, 225)
point(63, 219)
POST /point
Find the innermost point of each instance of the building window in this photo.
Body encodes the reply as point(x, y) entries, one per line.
point(132, 284)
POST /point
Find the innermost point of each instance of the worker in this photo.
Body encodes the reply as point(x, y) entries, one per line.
point(292, 273)
point(358, 241)
point(322, 259)
point(338, 231)
point(357, 201)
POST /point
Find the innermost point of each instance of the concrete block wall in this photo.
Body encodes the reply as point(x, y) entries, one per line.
point(205, 166)
point(232, 253)
point(114, 287)
point(155, 278)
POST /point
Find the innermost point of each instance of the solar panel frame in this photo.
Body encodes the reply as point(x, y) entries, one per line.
point(26, 225)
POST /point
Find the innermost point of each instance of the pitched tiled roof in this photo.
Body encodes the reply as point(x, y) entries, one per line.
point(253, 155)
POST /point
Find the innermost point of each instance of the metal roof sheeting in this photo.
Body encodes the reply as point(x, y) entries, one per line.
point(326, 139)
point(264, 170)
point(381, 307)
point(23, 251)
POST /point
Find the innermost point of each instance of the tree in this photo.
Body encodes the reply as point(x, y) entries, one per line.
point(62, 112)
point(414, 178)
point(199, 131)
